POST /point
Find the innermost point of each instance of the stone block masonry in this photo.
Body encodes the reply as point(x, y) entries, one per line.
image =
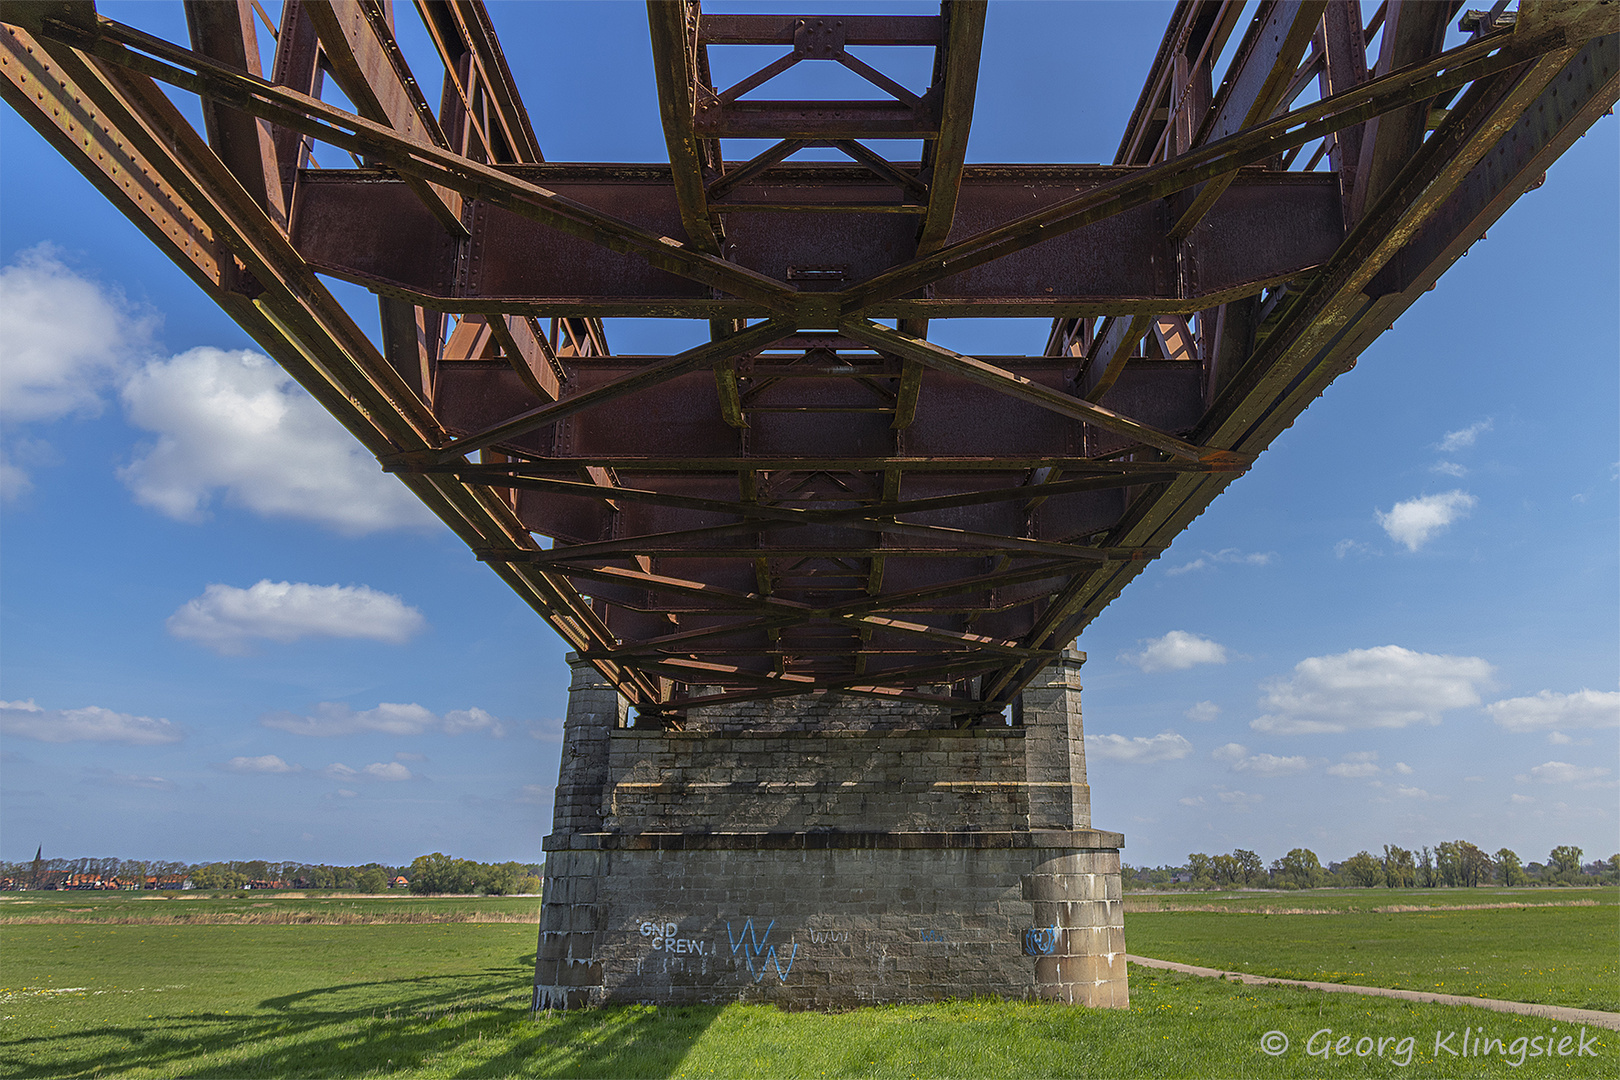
point(819, 855)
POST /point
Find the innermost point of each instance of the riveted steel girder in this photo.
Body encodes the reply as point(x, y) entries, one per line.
point(814, 500)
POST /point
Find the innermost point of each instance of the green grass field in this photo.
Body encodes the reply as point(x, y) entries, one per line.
point(1315, 901)
point(106, 998)
point(1549, 953)
point(260, 907)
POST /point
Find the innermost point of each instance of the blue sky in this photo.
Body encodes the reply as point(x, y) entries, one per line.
point(224, 634)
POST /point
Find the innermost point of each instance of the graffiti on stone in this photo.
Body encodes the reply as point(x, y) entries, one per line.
point(828, 937)
point(931, 935)
point(759, 955)
point(1040, 940)
point(664, 937)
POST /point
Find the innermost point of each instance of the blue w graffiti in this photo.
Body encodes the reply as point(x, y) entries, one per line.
point(754, 945)
point(1040, 940)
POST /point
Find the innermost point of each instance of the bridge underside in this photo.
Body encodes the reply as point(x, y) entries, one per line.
point(818, 553)
point(817, 497)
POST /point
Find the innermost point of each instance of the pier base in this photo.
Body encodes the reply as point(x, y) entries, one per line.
point(828, 852)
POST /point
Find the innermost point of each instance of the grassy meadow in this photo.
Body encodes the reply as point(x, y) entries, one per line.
point(236, 908)
point(332, 986)
point(1550, 946)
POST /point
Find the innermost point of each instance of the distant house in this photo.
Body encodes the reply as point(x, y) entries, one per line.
point(168, 881)
point(399, 883)
point(82, 882)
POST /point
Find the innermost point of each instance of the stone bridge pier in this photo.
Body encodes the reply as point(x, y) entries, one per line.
point(828, 851)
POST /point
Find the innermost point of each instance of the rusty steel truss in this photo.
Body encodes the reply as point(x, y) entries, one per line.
point(814, 500)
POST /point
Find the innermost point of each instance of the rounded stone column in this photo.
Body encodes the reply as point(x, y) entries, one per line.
point(1078, 937)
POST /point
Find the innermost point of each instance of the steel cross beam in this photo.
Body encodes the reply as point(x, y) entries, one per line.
point(814, 501)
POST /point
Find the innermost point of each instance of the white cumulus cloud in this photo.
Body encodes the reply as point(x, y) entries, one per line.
point(1562, 772)
point(1203, 712)
point(1259, 764)
point(1357, 766)
point(1383, 687)
point(1461, 440)
point(377, 770)
point(1271, 765)
point(1225, 555)
point(236, 425)
point(1166, 746)
point(1551, 711)
point(331, 719)
point(63, 338)
point(227, 619)
point(1417, 521)
point(1177, 651)
point(1239, 800)
point(27, 720)
point(14, 479)
point(267, 763)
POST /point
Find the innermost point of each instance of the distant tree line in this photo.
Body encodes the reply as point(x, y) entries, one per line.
point(434, 873)
point(367, 878)
point(1451, 863)
point(439, 873)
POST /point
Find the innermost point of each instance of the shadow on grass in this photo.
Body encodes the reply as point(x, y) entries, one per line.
point(454, 1025)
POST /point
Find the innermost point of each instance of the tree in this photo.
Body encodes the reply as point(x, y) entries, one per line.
point(1249, 864)
point(219, 875)
point(1400, 871)
point(1226, 869)
point(439, 873)
point(372, 880)
point(1362, 870)
point(1202, 868)
point(529, 885)
point(1299, 869)
point(1447, 860)
point(1426, 877)
point(1509, 869)
point(1565, 863)
point(1473, 865)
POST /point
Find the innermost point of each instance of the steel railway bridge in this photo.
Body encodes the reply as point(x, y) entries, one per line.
point(818, 498)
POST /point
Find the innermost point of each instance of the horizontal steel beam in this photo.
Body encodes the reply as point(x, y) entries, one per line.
point(369, 228)
point(156, 58)
point(858, 29)
point(818, 119)
point(681, 415)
